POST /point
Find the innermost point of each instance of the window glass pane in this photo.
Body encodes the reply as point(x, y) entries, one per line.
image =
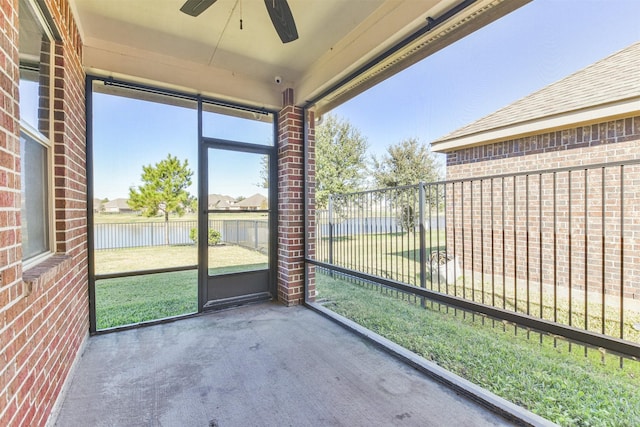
point(253, 128)
point(31, 32)
point(34, 152)
point(35, 223)
point(129, 300)
point(239, 230)
point(34, 48)
point(238, 176)
point(238, 242)
point(144, 211)
point(29, 88)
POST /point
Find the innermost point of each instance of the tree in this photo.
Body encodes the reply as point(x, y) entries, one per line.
point(101, 205)
point(191, 204)
point(264, 172)
point(340, 158)
point(164, 190)
point(407, 163)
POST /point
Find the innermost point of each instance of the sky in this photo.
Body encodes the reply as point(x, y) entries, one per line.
point(130, 134)
point(534, 46)
point(538, 44)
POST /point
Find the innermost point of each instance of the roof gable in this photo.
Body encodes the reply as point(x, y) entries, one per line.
point(117, 203)
point(254, 201)
point(219, 201)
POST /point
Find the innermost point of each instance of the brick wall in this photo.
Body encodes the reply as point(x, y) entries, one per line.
point(547, 150)
point(290, 202)
point(576, 230)
point(44, 310)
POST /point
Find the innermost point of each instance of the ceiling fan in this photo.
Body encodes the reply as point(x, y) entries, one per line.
point(279, 12)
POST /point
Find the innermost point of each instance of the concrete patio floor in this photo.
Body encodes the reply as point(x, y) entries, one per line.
point(258, 365)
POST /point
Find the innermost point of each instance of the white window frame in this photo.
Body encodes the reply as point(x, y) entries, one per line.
point(46, 141)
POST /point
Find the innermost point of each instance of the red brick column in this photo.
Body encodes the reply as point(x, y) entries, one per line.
point(290, 202)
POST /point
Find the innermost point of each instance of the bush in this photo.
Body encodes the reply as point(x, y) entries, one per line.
point(214, 236)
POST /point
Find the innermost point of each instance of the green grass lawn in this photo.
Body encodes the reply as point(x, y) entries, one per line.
point(396, 256)
point(564, 387)
point(153, 257)
point(129, 300)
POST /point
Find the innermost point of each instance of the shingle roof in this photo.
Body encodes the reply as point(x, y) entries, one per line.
point(117, 203)
point(612, 79)
point(254, 201)
point(218, 201)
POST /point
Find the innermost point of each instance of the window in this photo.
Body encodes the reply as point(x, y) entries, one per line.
point(34, 165)
point(35, 146)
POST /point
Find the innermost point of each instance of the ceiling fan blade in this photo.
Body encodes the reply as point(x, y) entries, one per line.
point(282, 19)
point(196, 7)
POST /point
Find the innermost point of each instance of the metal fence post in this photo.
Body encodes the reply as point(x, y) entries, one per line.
point(423, 241)
point(255, 234)
point(331, 231)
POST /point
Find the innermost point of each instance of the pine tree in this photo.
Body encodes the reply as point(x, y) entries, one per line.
point(164, 190)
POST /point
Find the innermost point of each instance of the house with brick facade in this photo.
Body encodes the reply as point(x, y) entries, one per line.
point(58, 56)
point(543, 193)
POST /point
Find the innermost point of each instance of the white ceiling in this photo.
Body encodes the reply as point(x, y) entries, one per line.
point(151, 41)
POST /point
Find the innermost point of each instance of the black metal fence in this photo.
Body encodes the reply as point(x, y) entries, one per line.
point(252, 234)
point(555, 250)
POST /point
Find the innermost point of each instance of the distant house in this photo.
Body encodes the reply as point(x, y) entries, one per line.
point(253, 203)
point(117, 206)
point(218, 201)
point(97, 205)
